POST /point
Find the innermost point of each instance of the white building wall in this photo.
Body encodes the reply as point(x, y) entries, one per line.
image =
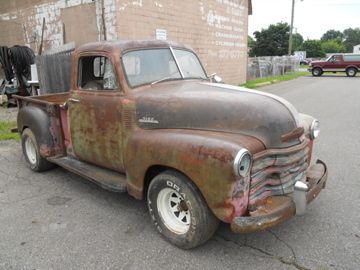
point(357, 49)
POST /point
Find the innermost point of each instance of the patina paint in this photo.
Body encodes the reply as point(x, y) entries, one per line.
point(96, 127)
point(205, 157)
point(205, 106)
point(194, 127)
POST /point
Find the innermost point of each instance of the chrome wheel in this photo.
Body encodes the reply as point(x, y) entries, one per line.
point(317, 72)
point(178, 210)
point(173, 211)
point(30, 151)
point(351, 72)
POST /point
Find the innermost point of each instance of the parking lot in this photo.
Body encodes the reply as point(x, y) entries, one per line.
point(57, 220)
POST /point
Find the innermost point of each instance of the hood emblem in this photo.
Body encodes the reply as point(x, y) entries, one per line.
point(148, 120)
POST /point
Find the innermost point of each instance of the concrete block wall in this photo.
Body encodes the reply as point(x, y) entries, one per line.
point(216, 29)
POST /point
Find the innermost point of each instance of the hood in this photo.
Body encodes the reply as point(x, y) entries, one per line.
point(216, 107)
point(317, 62)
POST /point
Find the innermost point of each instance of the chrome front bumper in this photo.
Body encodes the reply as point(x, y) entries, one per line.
point(277, 209)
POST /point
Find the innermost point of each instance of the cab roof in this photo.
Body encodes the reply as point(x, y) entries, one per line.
point(124, 45)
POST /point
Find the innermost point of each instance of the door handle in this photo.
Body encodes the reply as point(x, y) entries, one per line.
point(74, 100)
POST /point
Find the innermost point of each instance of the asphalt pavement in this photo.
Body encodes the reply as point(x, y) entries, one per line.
point(57, 220)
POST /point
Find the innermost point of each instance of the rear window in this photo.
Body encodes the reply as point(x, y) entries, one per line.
point(352, 58)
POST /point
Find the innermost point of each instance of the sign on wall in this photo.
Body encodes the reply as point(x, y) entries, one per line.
point(161, 34)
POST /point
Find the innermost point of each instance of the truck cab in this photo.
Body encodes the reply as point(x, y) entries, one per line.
point(143, 117)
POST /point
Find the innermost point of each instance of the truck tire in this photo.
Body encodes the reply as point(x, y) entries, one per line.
point(179, 211)
point(317, 72)
point(31, 152)
point(351, 72)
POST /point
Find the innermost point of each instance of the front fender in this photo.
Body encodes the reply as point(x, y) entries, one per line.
point(205, 157)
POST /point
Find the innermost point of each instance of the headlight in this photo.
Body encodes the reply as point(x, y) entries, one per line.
point(314, 129)
point(242, 163)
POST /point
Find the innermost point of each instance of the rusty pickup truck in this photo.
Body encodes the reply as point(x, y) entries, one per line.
point(144, 117)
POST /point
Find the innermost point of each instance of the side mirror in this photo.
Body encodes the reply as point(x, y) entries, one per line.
point(215, 78)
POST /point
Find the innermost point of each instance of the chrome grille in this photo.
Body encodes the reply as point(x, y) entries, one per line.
point(274, 172)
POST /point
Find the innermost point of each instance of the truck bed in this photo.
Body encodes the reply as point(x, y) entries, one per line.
point(53, 99)
point(56, 127)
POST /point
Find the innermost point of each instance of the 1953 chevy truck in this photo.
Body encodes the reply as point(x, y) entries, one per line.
point(143, 117)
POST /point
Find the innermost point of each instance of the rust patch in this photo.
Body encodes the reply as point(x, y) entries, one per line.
point(273, 212)
point(45, 151)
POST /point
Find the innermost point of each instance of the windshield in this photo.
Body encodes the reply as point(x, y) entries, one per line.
point(189, 64)
point(329, 58)
point(157, 65)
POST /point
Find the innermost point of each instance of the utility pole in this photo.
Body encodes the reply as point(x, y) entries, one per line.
point(291, 27)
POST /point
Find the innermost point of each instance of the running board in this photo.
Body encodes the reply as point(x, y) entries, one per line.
point(105, 178)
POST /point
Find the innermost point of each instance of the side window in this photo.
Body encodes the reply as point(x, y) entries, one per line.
point(96, 73)
point(335, 59)
point(352, 58)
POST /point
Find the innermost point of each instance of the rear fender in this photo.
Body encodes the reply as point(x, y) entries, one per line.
point(352, 66)
point(46, 128)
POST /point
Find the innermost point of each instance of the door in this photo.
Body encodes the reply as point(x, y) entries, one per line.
point(95, 114)
point(334, 64)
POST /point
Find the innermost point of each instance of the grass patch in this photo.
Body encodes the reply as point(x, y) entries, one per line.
point(270, 80)
point(304, 66)
point(5, 131)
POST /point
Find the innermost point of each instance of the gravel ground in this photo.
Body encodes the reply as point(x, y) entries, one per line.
point(57, 220)
point(8, 114)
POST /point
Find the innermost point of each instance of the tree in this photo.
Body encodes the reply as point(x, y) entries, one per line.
point(251, 43)
point(331, 35)
point(313, 48)
point(271, 41)
point(352, 38)
point(333, 46)
point(297, 41)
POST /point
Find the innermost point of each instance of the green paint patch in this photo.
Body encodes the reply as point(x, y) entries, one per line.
point(271, 80)
point(5, 131)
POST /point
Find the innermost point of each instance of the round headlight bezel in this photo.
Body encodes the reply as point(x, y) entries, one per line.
point(314, 129)
point(243, 157)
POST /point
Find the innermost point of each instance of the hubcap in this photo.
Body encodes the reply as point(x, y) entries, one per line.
point(30, 150)
point(351, 72)
point(173, 211)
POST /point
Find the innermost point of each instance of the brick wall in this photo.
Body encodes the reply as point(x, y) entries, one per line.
point(215, 29)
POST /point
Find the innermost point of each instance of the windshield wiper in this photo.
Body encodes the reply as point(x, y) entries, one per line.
point(196, 77)
point(186, 78)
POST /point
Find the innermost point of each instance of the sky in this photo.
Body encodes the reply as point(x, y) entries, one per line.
point(312, 17)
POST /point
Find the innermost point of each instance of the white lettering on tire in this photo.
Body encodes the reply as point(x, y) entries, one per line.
point(172, 185)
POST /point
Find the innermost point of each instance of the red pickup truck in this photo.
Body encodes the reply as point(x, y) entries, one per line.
point(348, 63)
point(143, 117)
